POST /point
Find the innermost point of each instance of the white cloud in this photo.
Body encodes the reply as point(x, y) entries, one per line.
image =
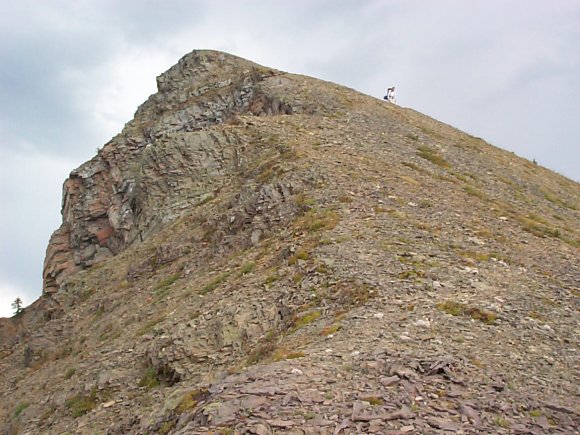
point(110, 93)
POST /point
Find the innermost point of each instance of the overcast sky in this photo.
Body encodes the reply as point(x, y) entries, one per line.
point(72, 73)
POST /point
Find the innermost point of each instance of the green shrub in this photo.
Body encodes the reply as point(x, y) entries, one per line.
point(304, 320)
point(148, 327)
point(190, 400)
point(261, 352)
point(81, 404)
point(459, 309)
point(265, 347)
point(433, 156)
point(162, 287)
point(331, 329)
point(301, 254)
point(149, 379)
point(282, 354)
point(248, 268)
point(21, 407)
point(472, 191)
point(214, 283)
point(373, 400)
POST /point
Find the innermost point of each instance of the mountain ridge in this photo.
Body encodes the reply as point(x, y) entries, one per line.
point(262, 251)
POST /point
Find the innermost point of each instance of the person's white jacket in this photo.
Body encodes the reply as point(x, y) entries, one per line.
point(392, 96)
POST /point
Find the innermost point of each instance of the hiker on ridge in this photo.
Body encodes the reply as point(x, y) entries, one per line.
point(390, 97)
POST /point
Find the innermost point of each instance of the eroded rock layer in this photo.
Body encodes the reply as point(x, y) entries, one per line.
point(162, 162)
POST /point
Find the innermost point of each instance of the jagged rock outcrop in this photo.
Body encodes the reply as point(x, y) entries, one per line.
point(162, 162)
point(261, 252)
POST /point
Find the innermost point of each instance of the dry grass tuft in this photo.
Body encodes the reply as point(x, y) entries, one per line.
point(433, 156)
point(459, 309)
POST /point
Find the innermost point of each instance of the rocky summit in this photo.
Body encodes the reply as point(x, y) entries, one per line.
point(260, 252)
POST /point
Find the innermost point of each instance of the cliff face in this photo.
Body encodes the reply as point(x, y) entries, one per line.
point(162, 162)
point(261, 252)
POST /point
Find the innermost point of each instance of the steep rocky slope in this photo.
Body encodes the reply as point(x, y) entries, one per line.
point(262, 252)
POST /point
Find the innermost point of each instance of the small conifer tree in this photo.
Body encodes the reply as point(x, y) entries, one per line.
point(17, 306)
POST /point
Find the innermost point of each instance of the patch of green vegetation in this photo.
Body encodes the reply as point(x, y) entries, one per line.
point(63, 352)
point(557, 201)
point(501, 257)
point(164, 286)
point(477, 256)
point(373, 400)
point(205, 200)
point(318, 219)
point(267, 171)
point(412, 274)
point(458, 309)
point(20, 408)
point(536, 413)
point(214, 283)
point(398, 214)
point(69, 373)
point(331, 329)
point(87, 294)
point(261, 352)
point(264, 348)
point(81, 404)
point(538, 227)
point(150, 378)
point(304, 201)
point(536, 217)
point(460, 176)
point(106, 331)
point(271, 335)
point(301, 254)
point(282, 354)
point(100, 312)
point(328, 220)
point(296, 278)
point(433, 156)
point(501, 422)
point(306, 319)
point(270, 279)
point(148, 327)
point(472, 191)
point(191, 399)
point(444, 178)
point(409, 180)
point(572, 242)
point(322, 269)
point(167, 427)
point(123, 285)
point(415, 167)
point(351, 293)
point(248, 267)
